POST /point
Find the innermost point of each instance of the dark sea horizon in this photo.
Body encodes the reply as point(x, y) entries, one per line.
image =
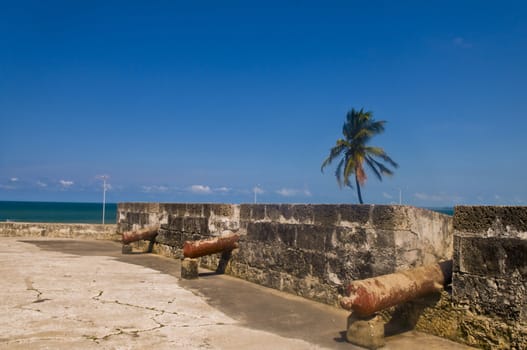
point(59, 212)
point(78, 212)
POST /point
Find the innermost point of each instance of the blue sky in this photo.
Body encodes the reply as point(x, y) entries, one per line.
point(205, 101)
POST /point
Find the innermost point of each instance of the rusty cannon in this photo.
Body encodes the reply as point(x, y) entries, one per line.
point(147, 233)
point(196, 249)
point(365, 297)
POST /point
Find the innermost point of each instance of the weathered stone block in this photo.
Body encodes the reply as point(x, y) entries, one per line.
point(196, 225)
point(384, 259)
point(173, 238)
point(126, 249)
point(356, 265)
point(366, 332)
point(138, 218)
point(259, 255)
point(333, 270)
point(262, 231)
point(492, 333)
point(325, 215)
point(195, 209)
point(175, 209)
point(479, 219)
point(287, 211)
point(245, 212)
point(330, 241)
point(273, 212)
point(294, 263)
point(491, 256)
point(303, 213)
point(359, 214)
point(175, 223)
point(311, 237)
point(317, 262)
point(381, 238)
point(286, 234)
point(222, 209)
point(389, 217)
point(258, 212)
point(503, 297)
point(189, 268)
point(352, 237)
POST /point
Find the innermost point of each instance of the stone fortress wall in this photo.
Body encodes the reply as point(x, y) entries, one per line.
point(314, 250)
point(309, 250)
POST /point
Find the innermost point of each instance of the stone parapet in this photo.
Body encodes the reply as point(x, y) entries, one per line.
point(55, 230)
point(309, 250)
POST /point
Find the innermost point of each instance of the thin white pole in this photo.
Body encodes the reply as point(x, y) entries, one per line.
point(104, 188)
point(103, 198)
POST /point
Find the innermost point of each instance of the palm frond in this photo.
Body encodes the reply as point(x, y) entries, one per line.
point(371, 164)
point(338, 171)
point(379, 152)
point(334, 152)
point(382, 168)
point(348, 169)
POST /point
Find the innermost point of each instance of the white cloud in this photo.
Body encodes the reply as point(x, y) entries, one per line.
point(41, 184)
point(66, 183)
point(387, 195)
point(518, 200)
point(200, 189)
point(154, 189)
point(461, 42)
point(290, 192)
point(430, 197)
point(222, 189)
point(13, 179)
point(437, 197)
point(287, 192)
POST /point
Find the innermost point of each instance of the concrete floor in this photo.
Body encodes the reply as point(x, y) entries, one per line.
point(80, 294)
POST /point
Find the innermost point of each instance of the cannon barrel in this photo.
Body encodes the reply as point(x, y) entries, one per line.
point(146, 233)
point(196, 249)
point(368, 296)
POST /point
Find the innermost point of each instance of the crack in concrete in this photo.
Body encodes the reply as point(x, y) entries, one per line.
point(133, 333)
point(39, 299)
point(29, 286)
point(153, 318)
point(98, 298)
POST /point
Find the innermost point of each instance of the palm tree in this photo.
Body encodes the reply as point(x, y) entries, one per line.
point(358, 130)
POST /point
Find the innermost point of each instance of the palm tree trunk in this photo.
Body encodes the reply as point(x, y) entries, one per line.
point(358, 190)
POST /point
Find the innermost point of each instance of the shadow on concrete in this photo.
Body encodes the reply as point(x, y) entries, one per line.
point(110, 249)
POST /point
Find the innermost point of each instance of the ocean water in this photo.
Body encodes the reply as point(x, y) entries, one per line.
point(443, 210)
point(87, 213)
